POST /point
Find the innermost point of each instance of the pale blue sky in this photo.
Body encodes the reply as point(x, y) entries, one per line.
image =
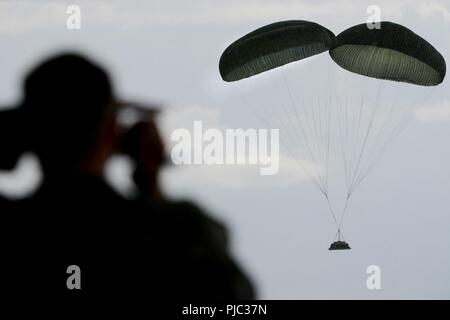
point(168, 51)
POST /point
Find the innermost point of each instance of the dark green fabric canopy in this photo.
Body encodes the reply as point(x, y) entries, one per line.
point(272, 46)
point(392, 52)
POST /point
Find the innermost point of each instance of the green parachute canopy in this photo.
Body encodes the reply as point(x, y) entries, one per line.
point(392, 52)
point(272, 46)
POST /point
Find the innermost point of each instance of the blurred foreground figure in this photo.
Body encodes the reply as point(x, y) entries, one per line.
point(195, 244)
point(145, 248)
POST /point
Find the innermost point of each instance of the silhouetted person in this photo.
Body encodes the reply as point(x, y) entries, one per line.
point(145, 248)
point(196, 244)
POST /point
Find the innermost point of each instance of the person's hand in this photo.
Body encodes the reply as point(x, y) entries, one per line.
point(143, 143)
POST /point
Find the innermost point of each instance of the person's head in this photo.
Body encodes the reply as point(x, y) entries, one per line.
point(70, 114)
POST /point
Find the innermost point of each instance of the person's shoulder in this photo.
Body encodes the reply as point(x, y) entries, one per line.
point(5, 205)
point(189, 220)
point(189, 211)
point(4, 200)
point(12, 203)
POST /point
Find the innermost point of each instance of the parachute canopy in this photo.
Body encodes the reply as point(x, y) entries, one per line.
point(392, 52)
point(272, 46)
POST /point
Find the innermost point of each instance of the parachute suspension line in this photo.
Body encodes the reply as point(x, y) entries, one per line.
point(378, 146)
point(328, 109)
point(356, 117)
point(395, 132)
point(332, 212)
point(364, 145)
point(315, 134)
point(321, 134)
point(361, 107)
point(311, 148)
point(347, 171)
point(339, 236)
point(339, 233)
point(344, 210)
point(310, 133)
point(317, 174)
point(346, 140)
point(383, 144)
point(315, 110)
point(356, 124)
point(349, 138)
point(342, 146)
point(349, 141)
point(327, 165)
point(373, 154)
point(248, 107)
point(285, 145)
point(323, 144)
point(265, 118)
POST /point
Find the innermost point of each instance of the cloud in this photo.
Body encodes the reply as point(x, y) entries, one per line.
point(235, 177)
point(433, 9)
point(440, 112)
point(228, 176)
point(29, 16)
